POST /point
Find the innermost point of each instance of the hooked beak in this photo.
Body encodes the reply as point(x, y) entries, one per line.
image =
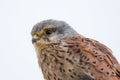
point(34, 40)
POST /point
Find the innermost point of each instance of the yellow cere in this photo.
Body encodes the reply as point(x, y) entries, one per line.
point(36, 35)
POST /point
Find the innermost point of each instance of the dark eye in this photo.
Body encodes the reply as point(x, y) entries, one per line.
point(49, 31)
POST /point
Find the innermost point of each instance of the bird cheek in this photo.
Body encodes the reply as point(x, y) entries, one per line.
point(46, 39)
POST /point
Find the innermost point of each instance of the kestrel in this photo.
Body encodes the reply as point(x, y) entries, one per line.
point(64, 54)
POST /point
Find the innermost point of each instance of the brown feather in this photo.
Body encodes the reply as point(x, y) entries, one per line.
point(103, 65)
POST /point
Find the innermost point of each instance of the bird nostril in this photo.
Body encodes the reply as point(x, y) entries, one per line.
point(34, 40)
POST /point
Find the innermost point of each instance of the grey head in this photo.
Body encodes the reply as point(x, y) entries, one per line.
point(52, 30)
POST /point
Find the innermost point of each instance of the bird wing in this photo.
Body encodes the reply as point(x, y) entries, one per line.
point(103, 65)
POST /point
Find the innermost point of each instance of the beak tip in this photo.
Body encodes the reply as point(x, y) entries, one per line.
point(34, 40)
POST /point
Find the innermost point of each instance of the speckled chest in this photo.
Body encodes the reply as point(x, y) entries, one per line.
point(59, 62)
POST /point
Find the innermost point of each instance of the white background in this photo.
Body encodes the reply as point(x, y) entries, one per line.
point(97, 19)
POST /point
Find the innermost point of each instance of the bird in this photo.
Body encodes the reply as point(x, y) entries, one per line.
point(64, 54)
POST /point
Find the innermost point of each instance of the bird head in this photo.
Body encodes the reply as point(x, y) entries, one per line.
point(51, 30)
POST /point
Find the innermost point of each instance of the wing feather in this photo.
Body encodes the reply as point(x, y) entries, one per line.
point(103, 64)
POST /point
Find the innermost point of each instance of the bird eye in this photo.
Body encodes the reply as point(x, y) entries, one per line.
point(49, 31)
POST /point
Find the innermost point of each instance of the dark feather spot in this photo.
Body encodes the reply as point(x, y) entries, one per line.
point(60, 56)
point(61, 50)
point(54, 78)
point(113, 73)
point(78, 51)
point(61, 63)
point(69, 70)
point(107, 74)
point(59, 79)
point(74, 73)
point(79, 76)
point(69, 60)
point(94, 62)
point(54, 74)
point(88, 59)
point(71, 76)
point(101, 69)
point(60, 69)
